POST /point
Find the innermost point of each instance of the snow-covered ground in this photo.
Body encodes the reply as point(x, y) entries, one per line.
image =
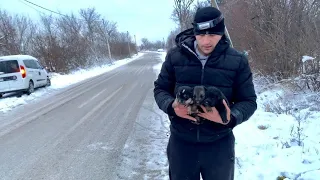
point(58, 82)
point(276, 144)
point(272, 143)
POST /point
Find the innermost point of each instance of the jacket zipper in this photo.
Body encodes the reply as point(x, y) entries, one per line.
point(198, 134)
point(202, 72)
point(203, 65)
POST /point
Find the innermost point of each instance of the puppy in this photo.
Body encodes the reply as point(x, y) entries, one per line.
point(187, 95)
point(199, 95)
point(197, 100)
point(184, 95)
point(214, 98)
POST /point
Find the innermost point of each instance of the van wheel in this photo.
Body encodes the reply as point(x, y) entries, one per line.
point(48, 82)
point(1, 95)
point(30, 88)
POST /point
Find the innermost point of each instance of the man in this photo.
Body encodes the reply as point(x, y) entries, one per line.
point(203, 57)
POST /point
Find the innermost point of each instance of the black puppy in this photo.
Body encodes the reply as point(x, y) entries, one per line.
point(184, 95)
point(214, 98)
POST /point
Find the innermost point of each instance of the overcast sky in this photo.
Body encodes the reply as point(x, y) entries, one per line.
point(143, 18)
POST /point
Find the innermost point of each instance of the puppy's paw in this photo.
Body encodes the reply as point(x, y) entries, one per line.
point(189, 110)
point(208, 108)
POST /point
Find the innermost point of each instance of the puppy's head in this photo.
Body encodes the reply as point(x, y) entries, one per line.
point(184, 95)
point(199, 94)
point(214, 94)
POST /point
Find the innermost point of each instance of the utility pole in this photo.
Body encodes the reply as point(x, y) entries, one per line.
point(129, 43)
point(109, 48)
point(0, 39)
point(215, 4)
point(22, 48)
point(164, 44)
point(135, 42)
point(107, 39)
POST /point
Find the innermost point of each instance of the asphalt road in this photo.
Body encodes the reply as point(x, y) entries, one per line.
point(80, 132)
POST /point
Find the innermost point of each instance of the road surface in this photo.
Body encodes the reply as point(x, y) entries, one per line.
point(79, 133)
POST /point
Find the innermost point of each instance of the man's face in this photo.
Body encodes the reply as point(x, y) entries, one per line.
point(207, 42)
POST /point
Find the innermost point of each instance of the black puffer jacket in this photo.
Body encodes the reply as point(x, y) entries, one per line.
point(226, 69)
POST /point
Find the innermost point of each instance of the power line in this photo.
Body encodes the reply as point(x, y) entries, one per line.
point(50, 10)
point(31, 7)
point(45, 8)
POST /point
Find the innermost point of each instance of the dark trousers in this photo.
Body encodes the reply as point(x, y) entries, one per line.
point(215, 161)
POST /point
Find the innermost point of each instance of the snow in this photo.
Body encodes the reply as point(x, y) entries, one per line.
point(267, 145)
point(307, 58)
point(58, 82)
point(274, 151)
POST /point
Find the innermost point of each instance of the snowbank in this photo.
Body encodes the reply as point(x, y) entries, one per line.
point(60, 81)
point(283, 142)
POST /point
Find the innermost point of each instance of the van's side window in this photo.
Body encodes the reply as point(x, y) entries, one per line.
point(34, 64)
point(38, 65)
point(27, 63)
point(30, 64)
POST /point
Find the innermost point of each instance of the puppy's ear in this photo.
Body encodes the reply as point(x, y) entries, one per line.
point(205, 88)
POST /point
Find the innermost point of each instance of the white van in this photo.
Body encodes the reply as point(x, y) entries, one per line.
point(21, 73)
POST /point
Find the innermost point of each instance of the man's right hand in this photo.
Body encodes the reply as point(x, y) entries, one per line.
point(182, 111)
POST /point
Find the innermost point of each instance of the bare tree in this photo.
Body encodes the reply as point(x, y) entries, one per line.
point(8, 34)
point(106, 29)
point(46, 45)
point(25, 30)
point(171, 39)
point(90, 30)
point(182, 13)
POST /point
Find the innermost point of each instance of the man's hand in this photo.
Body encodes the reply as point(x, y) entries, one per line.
point(214, 114)
point(182, 111)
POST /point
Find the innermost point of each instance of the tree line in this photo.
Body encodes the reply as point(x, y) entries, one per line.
point(67, 42)
point(149, 45)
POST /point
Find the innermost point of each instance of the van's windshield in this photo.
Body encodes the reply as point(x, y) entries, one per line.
point(10, 66)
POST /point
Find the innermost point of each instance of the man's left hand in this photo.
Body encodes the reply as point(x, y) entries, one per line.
point(214, 114)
